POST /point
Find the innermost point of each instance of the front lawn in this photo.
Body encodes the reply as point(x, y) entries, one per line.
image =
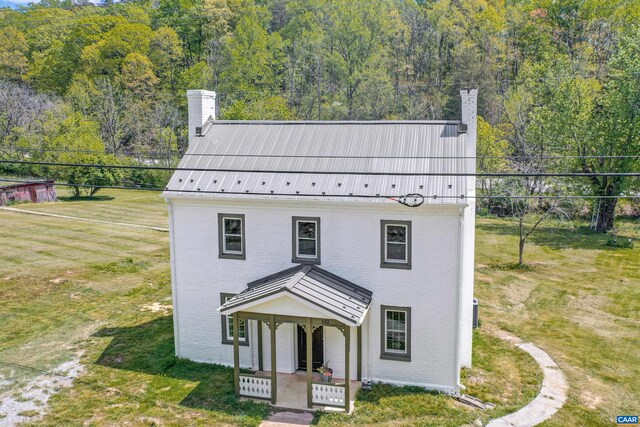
point(100, 294)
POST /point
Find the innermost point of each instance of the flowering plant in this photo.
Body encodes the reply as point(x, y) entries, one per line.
point(325, 370)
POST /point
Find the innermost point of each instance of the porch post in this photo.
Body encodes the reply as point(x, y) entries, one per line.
point(260, 355)
point(347, 345)
point(359, 377)
point(274, 374)
point(236, 352)
point(309, 329)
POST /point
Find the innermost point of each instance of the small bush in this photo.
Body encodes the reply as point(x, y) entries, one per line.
point(620, 242)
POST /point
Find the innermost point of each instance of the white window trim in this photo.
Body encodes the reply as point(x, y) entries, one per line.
point(386, 244)
point(387, 330)
point(296, 256)
point(225, 234)
point(397, 355)
point(298, 238)
point(223, 251)
point(229, 319)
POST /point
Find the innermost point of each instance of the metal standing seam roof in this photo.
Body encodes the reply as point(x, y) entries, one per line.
point(347, 301)
point(289, 150)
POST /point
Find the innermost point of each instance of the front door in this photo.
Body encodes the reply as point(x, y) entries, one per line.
point(317, 348)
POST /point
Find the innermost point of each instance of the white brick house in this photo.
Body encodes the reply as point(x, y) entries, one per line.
point(294, 231)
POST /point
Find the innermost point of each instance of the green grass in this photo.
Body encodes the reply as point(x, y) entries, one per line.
point(77, 288)
point(580, 302)
point(139, 207)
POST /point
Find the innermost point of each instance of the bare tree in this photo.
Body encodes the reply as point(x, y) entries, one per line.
point(20, 108)
point(109, 112)
point(527, 196)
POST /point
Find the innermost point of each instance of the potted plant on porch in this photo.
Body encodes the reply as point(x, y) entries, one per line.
point(326, 372)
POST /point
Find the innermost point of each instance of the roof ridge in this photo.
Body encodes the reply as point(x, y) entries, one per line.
point(335, 122)
point(296, 277)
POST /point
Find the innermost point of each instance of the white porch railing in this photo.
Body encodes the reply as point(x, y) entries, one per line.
point(252, 386)
point(328, 394)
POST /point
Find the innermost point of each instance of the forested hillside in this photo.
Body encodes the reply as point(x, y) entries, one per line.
point(556, 77)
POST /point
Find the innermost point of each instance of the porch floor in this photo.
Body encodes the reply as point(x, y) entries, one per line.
point(292, 391)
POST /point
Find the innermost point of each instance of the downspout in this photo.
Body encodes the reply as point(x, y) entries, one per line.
point(459, 298)
point(174, 283)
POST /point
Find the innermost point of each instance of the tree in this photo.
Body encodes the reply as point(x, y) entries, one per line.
point(13, 62)
point(354, 42)
point(137, 77)
point(82, 94)
point(80, 141)
point(527, 135)
point(255, 58)
point(492, 151)
point(165, 51)
point(20, 110)
point(617, 131)
point(106, 56)
point(109, 111)
point(592, 120)
point(269, 108)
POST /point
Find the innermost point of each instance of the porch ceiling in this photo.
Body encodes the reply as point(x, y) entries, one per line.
point(340, 299)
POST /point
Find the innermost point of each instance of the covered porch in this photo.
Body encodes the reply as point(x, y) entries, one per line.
point(292, 390)
point(310, 298)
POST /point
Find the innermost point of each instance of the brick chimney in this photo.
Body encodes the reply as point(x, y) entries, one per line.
point(202, 105)
point(469, 103)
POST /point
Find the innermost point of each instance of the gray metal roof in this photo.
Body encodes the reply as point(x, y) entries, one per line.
point(346, 301)
point(286, 149)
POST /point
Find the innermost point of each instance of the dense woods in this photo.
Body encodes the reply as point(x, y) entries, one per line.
point(106, 84)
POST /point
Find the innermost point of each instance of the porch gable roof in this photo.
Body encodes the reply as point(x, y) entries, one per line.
point(309, 284)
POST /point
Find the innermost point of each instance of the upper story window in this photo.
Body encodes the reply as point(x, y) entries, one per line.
point(306, 240)
point(395, 244)
point(395, 334)
point(231, 241)
point(228, 328)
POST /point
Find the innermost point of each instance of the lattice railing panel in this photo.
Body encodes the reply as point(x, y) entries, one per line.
point(251, 386)
point(327, 394)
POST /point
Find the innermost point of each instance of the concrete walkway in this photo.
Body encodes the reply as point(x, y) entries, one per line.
point(77, 218)
point(288, 419)
point(552, 395)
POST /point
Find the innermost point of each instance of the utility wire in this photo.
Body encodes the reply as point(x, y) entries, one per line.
point(367, 173)
point(159, 154)
point(348, 196)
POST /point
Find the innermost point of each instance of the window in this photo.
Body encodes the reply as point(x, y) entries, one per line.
point(228, 328)
point(306, 240)
point(395, 339)
point(231, 236)
point(395, 244)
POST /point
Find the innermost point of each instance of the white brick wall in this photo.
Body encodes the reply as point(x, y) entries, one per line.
point(350, 248)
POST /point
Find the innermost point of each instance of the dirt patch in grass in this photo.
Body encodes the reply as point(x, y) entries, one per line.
point(26, 400)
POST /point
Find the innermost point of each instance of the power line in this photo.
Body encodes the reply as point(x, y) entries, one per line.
point(159, 154)
point(343, 196)
point(304, 172)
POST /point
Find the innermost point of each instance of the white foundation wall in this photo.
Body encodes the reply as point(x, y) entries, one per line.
point(350, 247)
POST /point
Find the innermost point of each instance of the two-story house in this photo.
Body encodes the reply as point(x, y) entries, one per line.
point(297, 244)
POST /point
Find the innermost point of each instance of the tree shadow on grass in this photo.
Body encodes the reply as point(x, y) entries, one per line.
point(555, 237)
point(149, 348)
point(388, 391)
point(85, 198)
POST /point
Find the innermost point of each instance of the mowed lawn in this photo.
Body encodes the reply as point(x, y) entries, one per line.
point(102, 293)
